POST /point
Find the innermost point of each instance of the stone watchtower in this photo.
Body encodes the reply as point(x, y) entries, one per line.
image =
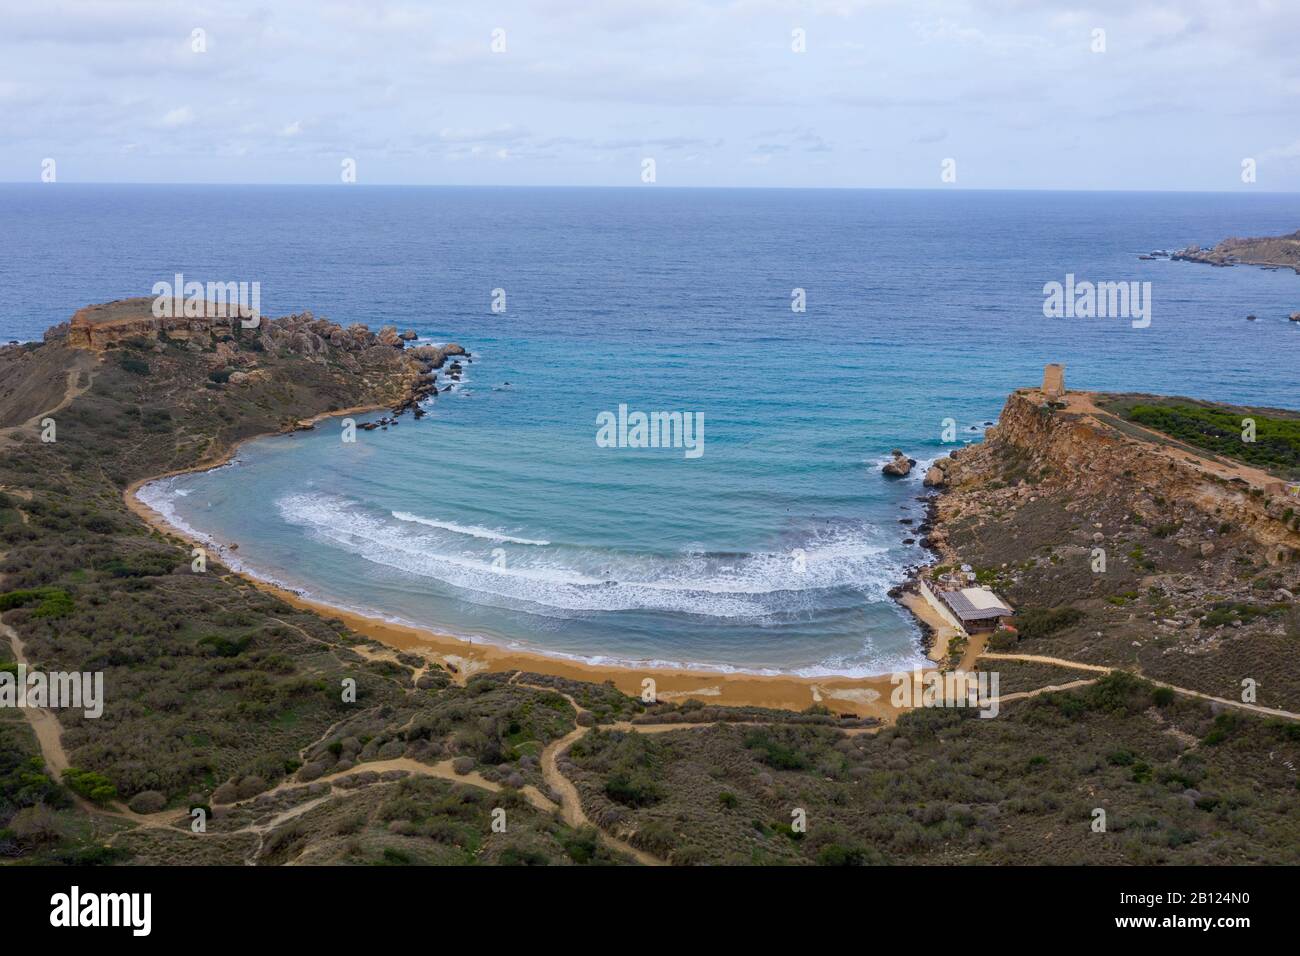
point(1054, 382)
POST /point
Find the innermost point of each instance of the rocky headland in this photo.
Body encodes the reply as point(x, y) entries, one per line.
point(1277, 252)
point(1182, 563)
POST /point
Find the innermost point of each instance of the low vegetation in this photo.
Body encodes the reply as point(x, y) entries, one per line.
point(1276, 444)
point(225, 698)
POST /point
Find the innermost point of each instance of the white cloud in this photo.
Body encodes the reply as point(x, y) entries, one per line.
point(411, 88)
point(181, 116)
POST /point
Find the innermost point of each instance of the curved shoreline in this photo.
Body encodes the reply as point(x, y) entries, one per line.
point(859, 696)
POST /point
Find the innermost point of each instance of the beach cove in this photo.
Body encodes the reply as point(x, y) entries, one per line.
point(866, 696)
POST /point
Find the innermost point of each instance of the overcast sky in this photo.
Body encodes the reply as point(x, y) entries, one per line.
point(712, 90)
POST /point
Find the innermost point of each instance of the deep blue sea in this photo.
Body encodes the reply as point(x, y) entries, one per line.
point(499, 517)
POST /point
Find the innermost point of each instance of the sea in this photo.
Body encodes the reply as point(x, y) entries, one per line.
point(805, 334)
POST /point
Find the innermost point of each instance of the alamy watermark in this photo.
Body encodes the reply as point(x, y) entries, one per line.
point(653, 430)
point(216, 300)
point(1100, 300)
point(953, 689)
point(73, 909)
point(73, 690)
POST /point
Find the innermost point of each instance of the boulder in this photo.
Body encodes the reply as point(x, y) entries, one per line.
point(934, 478)
point(408, 336)
point(899, 465)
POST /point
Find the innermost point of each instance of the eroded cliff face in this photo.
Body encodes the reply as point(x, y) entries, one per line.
point(251, 350)
point(1080, 453)
point(99, 327)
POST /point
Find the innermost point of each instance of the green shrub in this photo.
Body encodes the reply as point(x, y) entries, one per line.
point(1040, 622)
point(89, 784)
point(632, 789)
point(229, 646)
point(774, 753)
point(50, 603)
point(139, 565)
point(1276, 444)
point(134, 365)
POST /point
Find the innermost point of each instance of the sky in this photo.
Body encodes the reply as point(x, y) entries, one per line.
point(1020, 94)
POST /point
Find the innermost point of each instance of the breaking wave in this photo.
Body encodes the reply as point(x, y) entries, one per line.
point(534, 575)
point(473, 531)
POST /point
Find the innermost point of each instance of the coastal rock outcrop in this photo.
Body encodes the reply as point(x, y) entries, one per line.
point(99, 327)
point(899, 465)
point(1271, 252)
point(249, 356)
point(1069, 456)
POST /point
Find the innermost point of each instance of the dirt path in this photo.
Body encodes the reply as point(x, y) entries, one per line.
point(1083, 403)
point(46, 727)
point(1022, 695)
point(82, 363)
point(570, 802)
point(1186, 692)
point(1038, 658)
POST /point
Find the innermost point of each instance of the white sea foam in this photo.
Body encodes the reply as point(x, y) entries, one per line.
point(568, 579)
point(159, 496)
point(473, 531)
point(568, 590)
point(918, 470)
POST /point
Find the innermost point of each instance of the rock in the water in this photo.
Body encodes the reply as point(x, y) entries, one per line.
point(934, 478)
point(899, 465)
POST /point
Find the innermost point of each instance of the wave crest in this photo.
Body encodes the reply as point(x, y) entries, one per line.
point(536, 576)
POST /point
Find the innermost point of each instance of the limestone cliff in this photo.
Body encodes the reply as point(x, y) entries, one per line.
point(1081, 451)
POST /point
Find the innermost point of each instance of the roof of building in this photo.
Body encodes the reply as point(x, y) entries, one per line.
point(975, 604)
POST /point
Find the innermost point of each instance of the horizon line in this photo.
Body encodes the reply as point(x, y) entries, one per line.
point(653, 186)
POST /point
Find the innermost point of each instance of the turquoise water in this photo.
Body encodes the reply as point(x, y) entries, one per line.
point(499, 517)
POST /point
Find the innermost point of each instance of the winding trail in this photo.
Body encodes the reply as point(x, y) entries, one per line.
point(570, 801)
point(46, 726)
point(1098, 668)
point(1024, 694)
point(83, 363)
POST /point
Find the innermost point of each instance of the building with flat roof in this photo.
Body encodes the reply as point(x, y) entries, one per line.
point(977, 609)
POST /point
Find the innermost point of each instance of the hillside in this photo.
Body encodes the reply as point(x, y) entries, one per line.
point(1201, 551)
point(223, 697)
